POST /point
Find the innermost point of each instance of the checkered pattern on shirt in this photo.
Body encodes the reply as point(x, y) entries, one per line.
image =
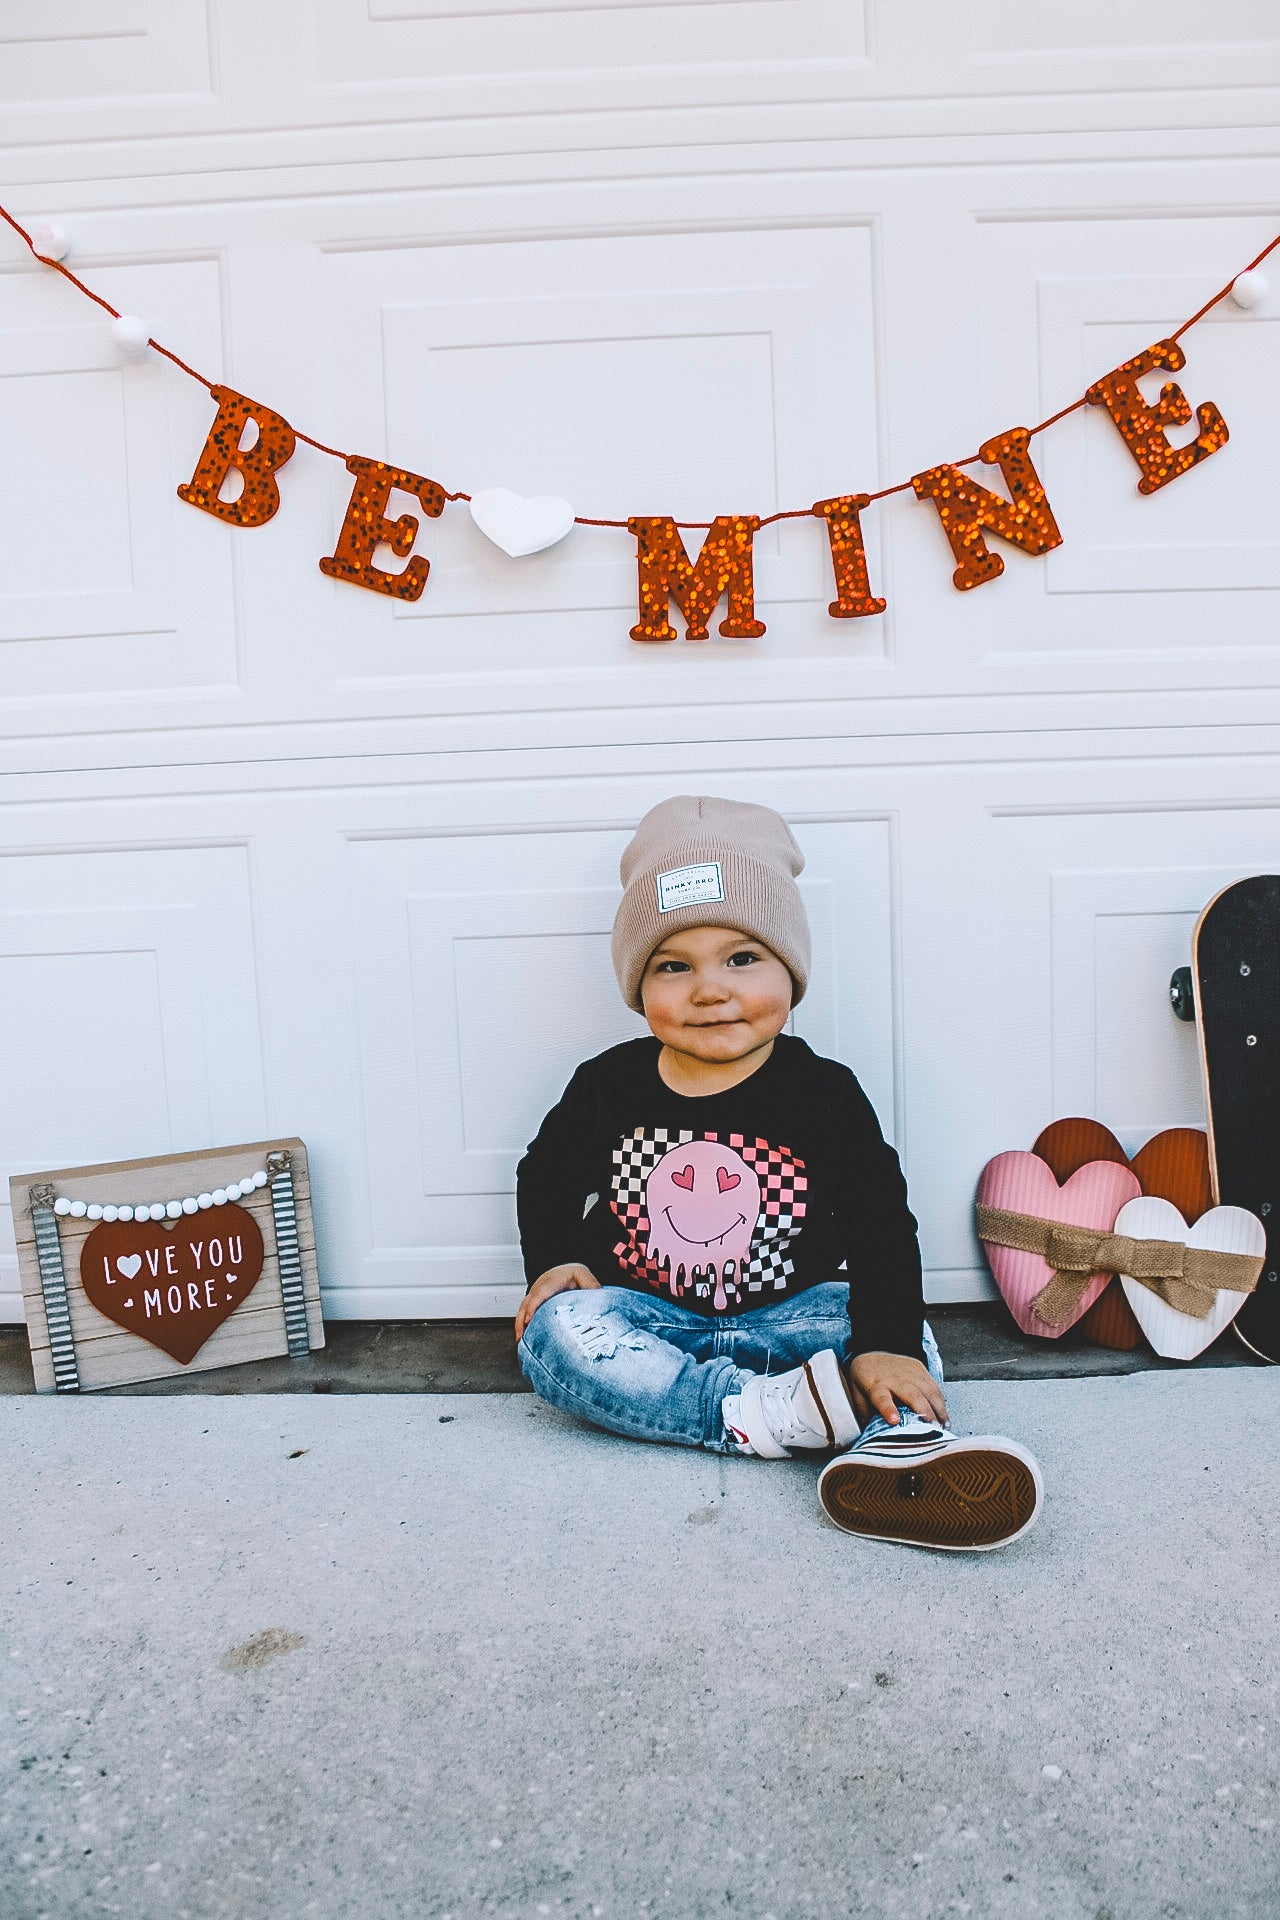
point(783, 1184)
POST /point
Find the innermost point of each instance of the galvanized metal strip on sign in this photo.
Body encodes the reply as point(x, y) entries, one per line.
point(288, 1254)
point(53, 1285)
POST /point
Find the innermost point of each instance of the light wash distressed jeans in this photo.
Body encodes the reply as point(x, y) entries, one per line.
point(652, 1370)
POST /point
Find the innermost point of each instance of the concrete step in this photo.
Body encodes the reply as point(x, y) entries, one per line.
point(478, 1356)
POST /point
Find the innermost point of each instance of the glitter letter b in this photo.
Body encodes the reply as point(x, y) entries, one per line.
point(259, 497)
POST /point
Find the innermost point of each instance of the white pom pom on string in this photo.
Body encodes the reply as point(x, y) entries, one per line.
point(95, 1212)
point(111, 1213)
point(191, 1205)
point(204, 1199)
point(1249, 290)
point(219, 1196)
point(131, 335)
point(124, 1213)
point(157, 1210)
point(78, 1209)
point(62, 1207)
point(260, 1177)
point(51, 238)
point(173, 1209)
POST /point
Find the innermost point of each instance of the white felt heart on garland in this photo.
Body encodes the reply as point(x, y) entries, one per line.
point(1174, 1335)
point(521, 526)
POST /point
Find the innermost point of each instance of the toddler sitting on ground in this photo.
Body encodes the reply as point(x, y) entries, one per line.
point(715, 1233)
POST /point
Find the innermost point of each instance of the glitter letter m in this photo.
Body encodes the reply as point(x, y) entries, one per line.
point(723, 566)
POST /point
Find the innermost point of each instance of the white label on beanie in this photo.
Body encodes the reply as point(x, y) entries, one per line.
point(690, 886)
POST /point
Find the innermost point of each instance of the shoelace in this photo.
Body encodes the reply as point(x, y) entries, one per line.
point(778, 1405)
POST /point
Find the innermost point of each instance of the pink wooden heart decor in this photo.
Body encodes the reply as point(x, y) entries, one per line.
point(1022, 1183)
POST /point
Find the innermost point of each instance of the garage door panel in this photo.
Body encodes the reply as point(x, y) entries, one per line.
point(52, 51)
point(1169, 575)
point(746, 384)
point(111, 597)
point(373, 43)
point(1109, 903)
point(479, 994)
point(129, 1020)
point(497, 75)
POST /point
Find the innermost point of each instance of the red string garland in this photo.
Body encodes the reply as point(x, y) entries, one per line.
point(966, 510)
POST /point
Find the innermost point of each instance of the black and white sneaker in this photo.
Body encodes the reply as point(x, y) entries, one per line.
point(921, 1485)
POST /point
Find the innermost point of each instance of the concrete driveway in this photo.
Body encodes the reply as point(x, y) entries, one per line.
point(453, 1655)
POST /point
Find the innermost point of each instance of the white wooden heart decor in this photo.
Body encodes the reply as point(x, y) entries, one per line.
point(521, 526)
point(1180, 1336)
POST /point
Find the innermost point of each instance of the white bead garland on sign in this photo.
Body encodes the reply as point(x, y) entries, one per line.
point(163, 1209)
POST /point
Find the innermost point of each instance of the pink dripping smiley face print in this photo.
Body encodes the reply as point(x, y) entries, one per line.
point(703, 1202)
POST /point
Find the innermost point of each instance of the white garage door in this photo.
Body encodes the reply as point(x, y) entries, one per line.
point(284, 856)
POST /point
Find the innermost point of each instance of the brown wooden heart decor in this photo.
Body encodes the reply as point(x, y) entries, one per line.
point(173, 1285)
point(1173, 1166)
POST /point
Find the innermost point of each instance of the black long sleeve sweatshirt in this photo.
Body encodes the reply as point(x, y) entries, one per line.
point(728, 1201)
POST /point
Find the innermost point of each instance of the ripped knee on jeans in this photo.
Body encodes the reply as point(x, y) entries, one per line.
point(598, 1333)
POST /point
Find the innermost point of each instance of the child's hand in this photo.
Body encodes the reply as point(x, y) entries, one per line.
point(877, 1380)
point(554, 1280)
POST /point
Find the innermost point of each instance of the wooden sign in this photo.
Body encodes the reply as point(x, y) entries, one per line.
point(141, 1269)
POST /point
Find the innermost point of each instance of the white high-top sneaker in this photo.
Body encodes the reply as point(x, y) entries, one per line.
point(808, 1407)
point(922, 1485)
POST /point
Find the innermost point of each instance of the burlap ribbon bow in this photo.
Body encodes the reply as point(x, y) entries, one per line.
point(1185, 1278)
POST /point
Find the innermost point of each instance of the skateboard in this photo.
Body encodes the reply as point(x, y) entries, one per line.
point(1235, 962)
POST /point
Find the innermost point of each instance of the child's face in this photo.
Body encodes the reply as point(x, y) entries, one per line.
point(715, 994)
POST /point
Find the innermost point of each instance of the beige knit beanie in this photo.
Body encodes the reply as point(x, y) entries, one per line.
point(703, 862)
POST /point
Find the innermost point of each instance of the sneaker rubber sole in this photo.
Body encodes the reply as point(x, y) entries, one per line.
point(964, 1497)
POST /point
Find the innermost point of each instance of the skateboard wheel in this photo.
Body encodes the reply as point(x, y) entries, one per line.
point(1182, 994)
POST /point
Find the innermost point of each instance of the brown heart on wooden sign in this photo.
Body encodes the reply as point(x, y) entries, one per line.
point(1173, 1166)
point(173, 1286)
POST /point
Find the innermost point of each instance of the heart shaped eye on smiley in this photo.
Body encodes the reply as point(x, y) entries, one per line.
point(725, 1180)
